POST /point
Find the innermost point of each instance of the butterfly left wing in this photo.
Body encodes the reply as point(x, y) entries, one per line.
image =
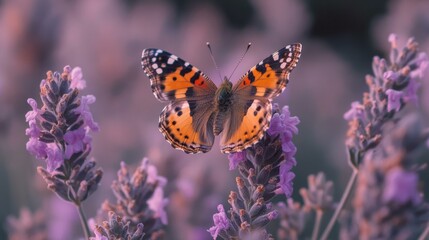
point(172, 78)
point(186, 122)
point(251, 110)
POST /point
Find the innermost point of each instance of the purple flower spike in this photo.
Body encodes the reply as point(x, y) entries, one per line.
point(392, 85)
point(221, 222)
point(236, 158)
point(59, 134)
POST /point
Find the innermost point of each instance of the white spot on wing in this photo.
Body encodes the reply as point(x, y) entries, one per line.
point(170, 60)
point(174, 57)
point(288, 59)
point(154, 66)
point(275, 56)
point(159, 70)
point(186, 64)
point(283, 65)
point(153, 59)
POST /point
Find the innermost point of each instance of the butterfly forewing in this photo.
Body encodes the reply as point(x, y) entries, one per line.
point(172, 78)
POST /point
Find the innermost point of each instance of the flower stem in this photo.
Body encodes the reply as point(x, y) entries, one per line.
point(319, 215)
point(83, 221)
point(425, 233)
point(340, 206)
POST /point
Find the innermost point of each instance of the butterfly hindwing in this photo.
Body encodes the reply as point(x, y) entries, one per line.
point(186, 122)
point(248, 121)
point(252, 98)
point(187, 129)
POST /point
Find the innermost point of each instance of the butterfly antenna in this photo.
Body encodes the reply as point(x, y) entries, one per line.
point(211, 55)
point(241, 59)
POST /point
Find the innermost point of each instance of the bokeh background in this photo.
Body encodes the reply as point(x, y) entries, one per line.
point(105, 38)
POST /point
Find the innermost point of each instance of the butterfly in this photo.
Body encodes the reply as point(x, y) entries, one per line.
point(198, 110)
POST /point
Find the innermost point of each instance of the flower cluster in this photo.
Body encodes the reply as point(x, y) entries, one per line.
point(393, 85)
point(117, 228)
point(318, 197)
point(388, 203)
point(27, 226)
point(59, 134)
point(139, 199)
point(265, 173)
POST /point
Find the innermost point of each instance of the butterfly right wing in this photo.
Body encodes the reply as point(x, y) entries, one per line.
point(186, 122)
point(251, 112)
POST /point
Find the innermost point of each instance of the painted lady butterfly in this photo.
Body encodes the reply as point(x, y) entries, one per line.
point(197, 110)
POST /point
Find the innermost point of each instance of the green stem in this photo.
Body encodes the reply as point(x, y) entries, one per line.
point(343, 200)
point(83, 221)
point(425, 233)
point(319, 215)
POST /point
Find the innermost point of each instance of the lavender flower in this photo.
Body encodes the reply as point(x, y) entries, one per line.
point(117, 228)
point(140, 199)
point(392, 86)
point(59, 134)
point(265, 170)
point(293, 217)
point(388, 204)
point(27, 226)
point(319, 195)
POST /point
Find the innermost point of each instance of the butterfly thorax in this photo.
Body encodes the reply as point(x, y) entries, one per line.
point(223, 101)
point(224, 96)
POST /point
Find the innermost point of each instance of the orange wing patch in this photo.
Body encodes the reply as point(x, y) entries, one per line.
point(253, 125)
point(176, 124)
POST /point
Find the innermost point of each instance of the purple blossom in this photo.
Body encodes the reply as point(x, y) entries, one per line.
point(76, 140)
point(401, 187)
point(32, 115)
point(391, 76)
point(236, 158)
point(54, 157)
point(410, 92)
point(286, 126)
point(86, 114)
point(221, 222)
point(36, 148)
point(393, 100)
point(356, 112)
point(286, 179)
point(77, 80)
point(157, 203)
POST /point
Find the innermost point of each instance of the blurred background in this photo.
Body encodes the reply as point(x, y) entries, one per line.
point(106, 38)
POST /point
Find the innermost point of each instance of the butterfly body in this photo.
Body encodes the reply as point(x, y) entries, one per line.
point(198, 110)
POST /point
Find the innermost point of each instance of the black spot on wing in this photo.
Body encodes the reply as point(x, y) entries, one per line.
point(185, 70)
point(195, 77)
point(192, 106)
point(251, 76)
point(261, 68)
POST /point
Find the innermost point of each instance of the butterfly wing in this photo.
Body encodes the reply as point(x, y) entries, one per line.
point(186, 122)
point(251, 110)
